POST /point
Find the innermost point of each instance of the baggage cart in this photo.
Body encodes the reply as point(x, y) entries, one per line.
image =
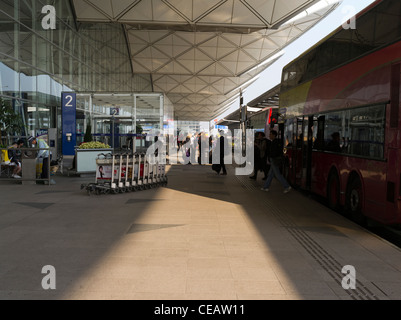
point(124, 172)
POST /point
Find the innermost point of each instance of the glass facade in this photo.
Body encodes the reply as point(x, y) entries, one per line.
point(37, 64)
point(121, 115)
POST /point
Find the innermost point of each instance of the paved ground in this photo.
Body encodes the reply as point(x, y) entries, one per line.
point(202, 237)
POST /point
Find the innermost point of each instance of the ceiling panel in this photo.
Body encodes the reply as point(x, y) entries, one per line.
point(201, 53)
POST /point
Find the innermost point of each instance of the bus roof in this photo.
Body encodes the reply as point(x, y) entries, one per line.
point(361, 13)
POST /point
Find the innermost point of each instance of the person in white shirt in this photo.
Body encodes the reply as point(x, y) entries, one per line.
point(46, 155)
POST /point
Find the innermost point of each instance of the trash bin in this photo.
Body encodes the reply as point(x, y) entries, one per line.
point(28, 163)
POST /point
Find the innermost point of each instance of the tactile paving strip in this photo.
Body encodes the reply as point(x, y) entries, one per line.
point(326, 261)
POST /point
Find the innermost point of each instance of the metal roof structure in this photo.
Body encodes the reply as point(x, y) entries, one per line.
point(202, 53)
point(269, 98)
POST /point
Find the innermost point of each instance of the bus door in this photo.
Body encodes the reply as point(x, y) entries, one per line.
point(297, 158)
point(307, 136)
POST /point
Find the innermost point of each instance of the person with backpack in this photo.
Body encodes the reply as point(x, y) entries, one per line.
point(275, 157)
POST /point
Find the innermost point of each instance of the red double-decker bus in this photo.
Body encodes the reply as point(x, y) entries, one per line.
point(342, 130)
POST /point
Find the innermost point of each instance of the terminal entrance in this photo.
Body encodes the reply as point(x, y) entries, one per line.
point(123, 121)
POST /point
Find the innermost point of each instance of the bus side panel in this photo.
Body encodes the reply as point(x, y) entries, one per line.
point(319, 180)
point(392, 185)
point(392, 147)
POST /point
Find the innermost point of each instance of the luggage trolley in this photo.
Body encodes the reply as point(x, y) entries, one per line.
point(140, 167)
point(129, 171)
point(103, 180)
point(123, 172)
point(116, 173)
point(152, 175)
point(163, 176)
point(133, 172)
point(146, 173)
point(157, 174)
point(122, 160)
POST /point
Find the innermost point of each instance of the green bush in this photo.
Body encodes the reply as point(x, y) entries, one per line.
point(93, 145)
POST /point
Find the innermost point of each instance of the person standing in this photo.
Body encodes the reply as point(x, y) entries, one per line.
point(46, 155)
point(222, 142)
point(276, 156)
point(199, 139)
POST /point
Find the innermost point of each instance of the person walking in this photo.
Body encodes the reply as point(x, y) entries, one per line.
point(261, 150)
point(222, 153)
point(218, 167)
point(276, 155)
point(199, 139)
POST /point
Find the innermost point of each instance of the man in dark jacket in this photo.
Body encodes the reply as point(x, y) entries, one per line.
point(222, 152)
point(276, 155)
point(261, 151)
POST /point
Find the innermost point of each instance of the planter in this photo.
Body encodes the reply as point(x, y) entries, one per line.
point(86, 159)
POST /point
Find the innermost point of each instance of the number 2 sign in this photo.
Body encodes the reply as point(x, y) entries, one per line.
point(68, 108)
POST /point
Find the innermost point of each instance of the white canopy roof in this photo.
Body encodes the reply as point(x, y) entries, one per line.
point(202, 53)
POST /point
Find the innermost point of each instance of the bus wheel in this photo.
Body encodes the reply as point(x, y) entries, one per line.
point(333, 192)
point(354, 201)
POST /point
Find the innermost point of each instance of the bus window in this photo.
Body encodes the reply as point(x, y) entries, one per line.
point(367, 131)
point(333, 131)
point(334, 145)
point(299, 134)
point(288, 133)
point(318, 132)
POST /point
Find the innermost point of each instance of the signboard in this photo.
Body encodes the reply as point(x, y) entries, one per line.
point(219, 127)
point(69, 126)
point(114, 111)
point(42, 134)
point(243, 113)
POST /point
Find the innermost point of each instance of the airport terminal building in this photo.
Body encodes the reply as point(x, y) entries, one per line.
point(44, 53)
point(136, 65)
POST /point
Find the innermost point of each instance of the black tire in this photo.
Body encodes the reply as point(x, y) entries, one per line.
point(333, 192)
point(354, 201)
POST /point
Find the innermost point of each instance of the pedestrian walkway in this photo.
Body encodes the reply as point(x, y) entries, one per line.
point(204, 236)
